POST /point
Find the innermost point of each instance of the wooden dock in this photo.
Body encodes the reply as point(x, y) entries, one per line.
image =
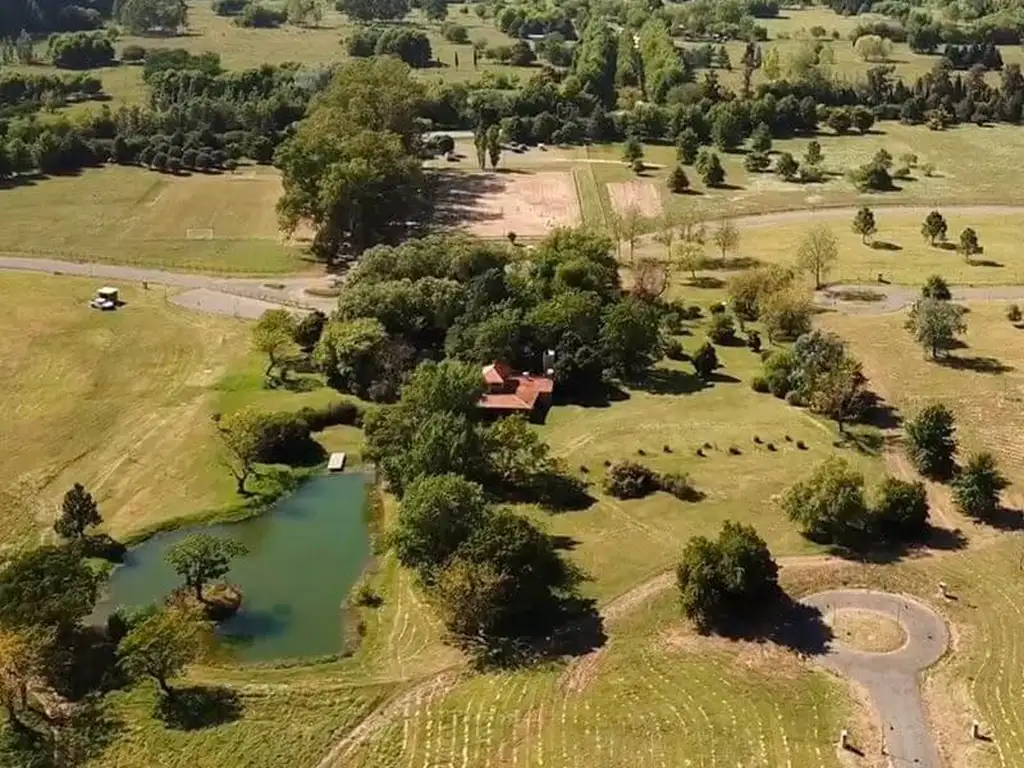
point(336, 463)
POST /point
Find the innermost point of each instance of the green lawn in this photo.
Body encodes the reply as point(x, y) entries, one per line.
point(217, 223)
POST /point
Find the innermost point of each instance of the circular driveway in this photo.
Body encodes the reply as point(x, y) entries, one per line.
point(891, 678)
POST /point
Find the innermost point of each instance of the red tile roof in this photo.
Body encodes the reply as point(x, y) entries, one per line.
point(522, 389)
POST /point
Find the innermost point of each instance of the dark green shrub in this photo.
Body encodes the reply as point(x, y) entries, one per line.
point(629, 480)
point(679, 485)
point(759, 384)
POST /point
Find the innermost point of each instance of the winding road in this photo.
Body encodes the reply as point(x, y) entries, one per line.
point(891, 678)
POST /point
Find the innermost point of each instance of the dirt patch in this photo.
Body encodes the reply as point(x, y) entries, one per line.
point(644, 196)
point(866, 631)
point(494, 204)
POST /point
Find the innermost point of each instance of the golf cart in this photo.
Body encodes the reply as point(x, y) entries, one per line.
point(106, 299)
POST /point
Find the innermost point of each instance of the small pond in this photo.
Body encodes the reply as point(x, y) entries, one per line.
point(304, 556)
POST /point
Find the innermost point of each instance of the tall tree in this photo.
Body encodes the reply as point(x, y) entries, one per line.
point(977, 487)
point(934, 227)
point(78, 511)
point(968, 244)
point(494, 145)
point(273, 335)
point(351, 167)
point(200, 558)
point(864, 223)
point(829, 504)
point(931, 440)
point(631, 337)
point(818, 252)
point(726, 236)
point(46, 587)
point(936, 324)
point(162, 645)
point(240, 434)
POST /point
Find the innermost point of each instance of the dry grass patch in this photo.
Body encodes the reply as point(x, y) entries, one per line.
point(642, 196)
point(530, 204)
point(866, 630)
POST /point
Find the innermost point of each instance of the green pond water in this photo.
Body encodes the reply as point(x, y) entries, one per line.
point(304, 556)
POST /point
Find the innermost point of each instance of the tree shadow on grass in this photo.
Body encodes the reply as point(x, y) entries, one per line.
point(985, 263)
point(864, 441)
point(668, 381)
point(599, 397)
point(783, 621)
point(884, 245)
point(976, 363)
point(198, 707)
point(1003, 519)
point(705, 281)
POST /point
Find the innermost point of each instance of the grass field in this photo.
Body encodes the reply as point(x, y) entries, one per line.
point(981, 383)
point(121, 402)
point(220, 223)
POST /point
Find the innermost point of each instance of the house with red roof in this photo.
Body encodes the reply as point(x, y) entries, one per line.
point(511, 391)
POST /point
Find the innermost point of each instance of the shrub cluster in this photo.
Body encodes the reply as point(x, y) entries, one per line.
point(630, 480)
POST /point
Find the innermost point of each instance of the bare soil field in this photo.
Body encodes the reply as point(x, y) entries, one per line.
point(494, 204)
point(644, 196)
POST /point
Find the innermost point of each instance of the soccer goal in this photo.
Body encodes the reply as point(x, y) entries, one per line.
point(200, 233)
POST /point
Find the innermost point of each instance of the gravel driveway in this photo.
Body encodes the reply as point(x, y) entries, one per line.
point(891, 678)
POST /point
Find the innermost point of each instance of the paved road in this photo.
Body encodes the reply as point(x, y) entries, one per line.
point(891, 678)
point(240, 296)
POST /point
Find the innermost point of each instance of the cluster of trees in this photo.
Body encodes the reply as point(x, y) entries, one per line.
point(535, 19)
point(629, 480)
point(459, 298)
point(661, 64)
point(80, 50)
point(819, 372)
point(932, 445)
point(986, 56)
point(772, 296)
point(351, 167)
point(733, 575)
point(37, 17)
point(373, 10)
point(411, 46)
point(727, 20)
point(141, 17)
point(56, 668)
point(28, 92)
point(831, 507)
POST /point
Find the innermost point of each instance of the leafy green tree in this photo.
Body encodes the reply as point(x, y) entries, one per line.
point(900, 510)
point(494, 145)
point(726, 236)
point(200, 558)
point(786, 313)
point(678, 181)
point(839, 120)
point(515, 452)
point(978, 485)
point(935, 325)
point(864, 223)
point(629, 480)
point(931, 440)
point(445, 386)
point(863, 118)
point(727, 577)
point(726, 130)
point(632, 150)
point(273, 335)
point(631, 336)
point(350, 167)
point(78, 511)
point(480, 145)
point(705, 361)
point(687, 146)
point(436, 10)
point(761, 139)
point(1013, 314)
point(309, 329)
point(162, 645)
point(829, 505)
point(936, 288)
point(756, 162)
point(818, 252)
point(710, 168)
point(142, 16)
point(46, 587)
point(968, 244)
point(349, 353)
point(814, 156)
point(934, 227)
point(373, 10)
point(436, 515)
point(240, 435)
point(786, 166)
point(841, 393)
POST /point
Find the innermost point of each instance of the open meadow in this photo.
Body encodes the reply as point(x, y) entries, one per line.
point(220, 223)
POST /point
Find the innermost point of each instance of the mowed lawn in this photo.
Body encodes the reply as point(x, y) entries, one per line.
point(982, 383)
point(217, 223)
point(119, 401)
point(620, 543)
point(898, 251)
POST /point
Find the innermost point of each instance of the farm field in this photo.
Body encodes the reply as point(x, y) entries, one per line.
point(219, 223)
